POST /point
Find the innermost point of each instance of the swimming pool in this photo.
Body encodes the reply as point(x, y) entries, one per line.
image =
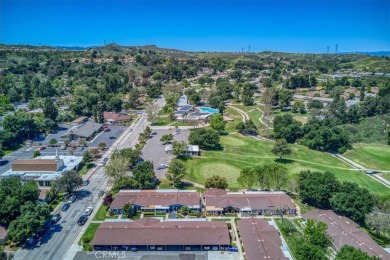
point(209, 110)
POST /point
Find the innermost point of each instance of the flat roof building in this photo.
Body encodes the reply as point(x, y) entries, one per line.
point(159, 201)
point(248, 203)
point(260, 239)
point(343, 231)
point(153, 234)
point(85, 131)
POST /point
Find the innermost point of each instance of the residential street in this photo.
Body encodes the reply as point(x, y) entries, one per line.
point(56, 241)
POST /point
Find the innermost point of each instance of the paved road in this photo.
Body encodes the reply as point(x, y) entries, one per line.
point(56, 241)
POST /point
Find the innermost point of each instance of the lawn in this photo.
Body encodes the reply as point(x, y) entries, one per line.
point(162, 120)
point(101, 214)
point(373, 156)
point(240, 152)
point(237, 118)
point(290, 234)
point(88, 236)
point(57, 201)
point(86, 168)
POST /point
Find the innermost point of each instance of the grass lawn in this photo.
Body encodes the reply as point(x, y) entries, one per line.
point(101, 214)
point(290, 234)
point(240, 152)
point(162, 120)
point(373, 156)
point(386, 176)
point(88, 236)
point(237, 118)
point(86, 168)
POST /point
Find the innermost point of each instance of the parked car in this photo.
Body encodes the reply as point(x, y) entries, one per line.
point(72, 199)
point(107, 130)
point(112, 137)
point(88, 211)
point(153, 133)
point(65, 207)
point(105, 159)
point(82, 220)
point(162, 166)
point(55, 218)
point(63, 147)
point(85, 183)
point(100, 193)
point(42, 148)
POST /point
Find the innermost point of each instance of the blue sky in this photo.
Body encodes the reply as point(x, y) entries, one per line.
point(291, 26)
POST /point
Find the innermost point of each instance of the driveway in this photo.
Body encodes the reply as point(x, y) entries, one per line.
point(154, 150)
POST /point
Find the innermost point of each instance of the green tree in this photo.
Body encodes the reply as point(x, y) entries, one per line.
point(315, 234)
point(247, 178)
point(117, 167)
point(68, 182)
point(185, 210)
point(217, 182)
point(263, 176)
point(278, 173)
point(350, 253)
point(179, 148)
point(207, 139)
point(285, 127)
point(306, 251)
point(33, 217)
point(317, 188)
point(36, 153)
point(53, 142)
point(281, 148)
point(5, 256)
point(166, 138)
point(87, 157)
point(50, 110)
point(29, 192)
point(102, 146)
point(176, 172)
point(127, 209)
point(352, 201)
point(144, 175)
point(217, 123)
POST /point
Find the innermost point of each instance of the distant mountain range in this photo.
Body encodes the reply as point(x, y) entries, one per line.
point(371, 53)
point(77, 48)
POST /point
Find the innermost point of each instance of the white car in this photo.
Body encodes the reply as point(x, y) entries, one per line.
point(88, 211)
point(162, 166)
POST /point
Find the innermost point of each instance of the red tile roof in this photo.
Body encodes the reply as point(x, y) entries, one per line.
point(260, 239)
point(148, 198)
point(344, 231)
point(115, 116)
point(150, 231)
point(253, 200)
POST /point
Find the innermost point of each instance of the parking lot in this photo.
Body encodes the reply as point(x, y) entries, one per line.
point(27, 153)
point(154, 150)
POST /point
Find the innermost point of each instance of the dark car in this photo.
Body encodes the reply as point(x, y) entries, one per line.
point(85, 183)
point(55, 218)
point(82, 220)
point(100, 193)
point(42, 148)
point(65, 207)
point(112, 137)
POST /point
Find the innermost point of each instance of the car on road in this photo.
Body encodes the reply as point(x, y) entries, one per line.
point(85, 183)
point(153, 133)
point(65, 207)
point(3, 162)
point(105, 159)
point(88, 211)
point(107, 130)
point(42, 148)
point(162, 166)
point(72, 199)
point(63, 147)
point(112, 137)
point(82, 220)
point(55, 218)
point(100, 193)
